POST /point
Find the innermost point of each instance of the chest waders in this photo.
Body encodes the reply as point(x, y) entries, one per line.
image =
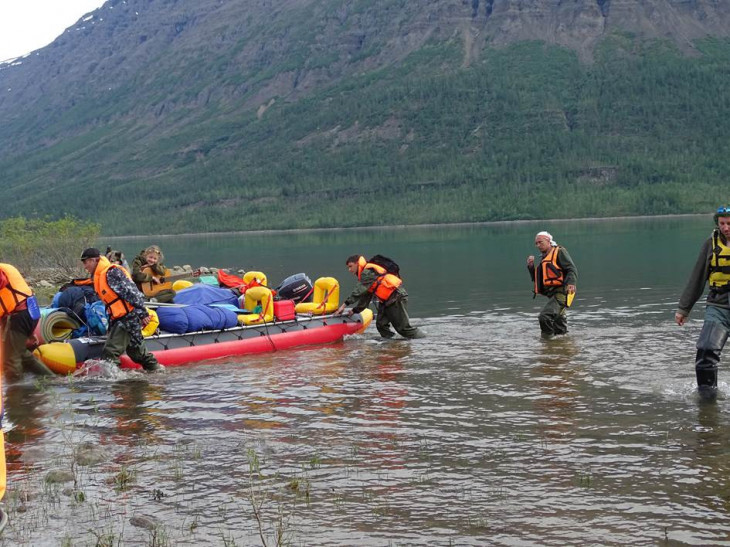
point(714, 333)
point(709, 347)
point(549, 281)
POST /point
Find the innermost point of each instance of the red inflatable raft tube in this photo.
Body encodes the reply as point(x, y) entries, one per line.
point(179, 349)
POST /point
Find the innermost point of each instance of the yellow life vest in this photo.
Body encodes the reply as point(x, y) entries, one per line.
point(719, 262)
point(116, 307)
point(15, 292)
point(384, 285)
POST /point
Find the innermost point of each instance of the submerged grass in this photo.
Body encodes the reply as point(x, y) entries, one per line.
point(111, 480)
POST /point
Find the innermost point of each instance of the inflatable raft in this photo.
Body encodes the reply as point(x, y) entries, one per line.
point(64, 357)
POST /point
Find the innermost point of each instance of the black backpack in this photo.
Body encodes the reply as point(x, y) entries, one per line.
point(387, 263)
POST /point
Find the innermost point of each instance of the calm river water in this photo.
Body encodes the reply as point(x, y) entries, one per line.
point(481, 433)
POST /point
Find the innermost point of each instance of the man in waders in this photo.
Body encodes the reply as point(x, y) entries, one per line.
point(376, 281)
point(555, 277)
point(125, 308)
point(19, 315)
point(713, 265)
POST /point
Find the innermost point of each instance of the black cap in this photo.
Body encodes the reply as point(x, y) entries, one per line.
point(91, 252)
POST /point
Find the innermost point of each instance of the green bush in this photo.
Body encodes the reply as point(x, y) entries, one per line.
point(32, 244)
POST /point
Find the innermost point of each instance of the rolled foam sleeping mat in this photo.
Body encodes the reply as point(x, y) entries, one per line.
point(55, 325)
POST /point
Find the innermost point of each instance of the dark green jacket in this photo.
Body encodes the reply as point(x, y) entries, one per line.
point(698, 279)
point(139, 262)
point(359, 298)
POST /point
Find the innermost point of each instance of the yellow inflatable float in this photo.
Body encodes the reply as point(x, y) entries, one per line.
point(254, 297)
point(325, 299)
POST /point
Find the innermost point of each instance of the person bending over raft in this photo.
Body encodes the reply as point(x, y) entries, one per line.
point(713, 265)
point(19, 315)
point(148, 267)
point(125, 308)
point(555, 277)
point(387, 288)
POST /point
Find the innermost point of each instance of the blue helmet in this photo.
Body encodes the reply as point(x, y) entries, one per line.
point(722, 211)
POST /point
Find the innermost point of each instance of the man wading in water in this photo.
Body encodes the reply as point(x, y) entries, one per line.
point(125, 307)
point(374, 280)
point(713, 265)
point(555, 277)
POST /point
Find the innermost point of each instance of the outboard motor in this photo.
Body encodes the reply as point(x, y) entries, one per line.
point(297, 287)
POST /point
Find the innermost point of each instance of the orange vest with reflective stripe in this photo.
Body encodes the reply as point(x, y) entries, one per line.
point(15, 292)
point(384, 285)
point(115, 306)
point(548, 273)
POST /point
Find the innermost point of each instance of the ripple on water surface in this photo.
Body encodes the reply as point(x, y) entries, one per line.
point(480, 433)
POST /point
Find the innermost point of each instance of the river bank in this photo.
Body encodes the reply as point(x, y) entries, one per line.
point(520, 222)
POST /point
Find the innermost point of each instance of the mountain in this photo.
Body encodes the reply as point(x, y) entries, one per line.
point(208, 115)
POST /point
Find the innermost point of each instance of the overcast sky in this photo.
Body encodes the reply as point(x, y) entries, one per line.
point(27, 25)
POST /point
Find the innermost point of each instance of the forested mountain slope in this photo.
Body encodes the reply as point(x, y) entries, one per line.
point(191, 115)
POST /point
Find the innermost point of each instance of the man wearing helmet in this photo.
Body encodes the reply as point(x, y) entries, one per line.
point(713, 265)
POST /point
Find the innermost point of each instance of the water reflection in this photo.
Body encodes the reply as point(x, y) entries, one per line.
point(26, 413)
point(556, 374)
point(136, 421)
point(381, 401)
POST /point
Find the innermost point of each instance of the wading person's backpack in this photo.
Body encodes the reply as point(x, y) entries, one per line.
point(387, 263)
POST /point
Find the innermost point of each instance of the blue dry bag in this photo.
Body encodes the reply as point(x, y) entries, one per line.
point(33, 310)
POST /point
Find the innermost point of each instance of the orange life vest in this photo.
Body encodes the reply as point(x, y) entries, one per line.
point(15, 292)
point(548, 273)
point(116, 307)
point(384, 285)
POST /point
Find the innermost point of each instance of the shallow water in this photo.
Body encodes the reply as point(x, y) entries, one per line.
point(482, 433)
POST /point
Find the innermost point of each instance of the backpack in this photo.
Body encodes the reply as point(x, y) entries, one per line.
point(387, 263)
point(96, 317)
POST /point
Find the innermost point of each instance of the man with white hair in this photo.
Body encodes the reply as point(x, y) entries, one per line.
point(555, 277)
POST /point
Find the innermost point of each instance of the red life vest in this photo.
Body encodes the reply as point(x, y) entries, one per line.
point(548, 273)
point(15, 292)
point(116, 307)
point(384, 285)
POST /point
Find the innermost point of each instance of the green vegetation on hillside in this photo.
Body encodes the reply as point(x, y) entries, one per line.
point(524, 132)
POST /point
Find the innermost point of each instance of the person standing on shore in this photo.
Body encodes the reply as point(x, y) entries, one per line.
point(554, 276)
point(19, 315)
point(713, 265)
point(125, 306)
